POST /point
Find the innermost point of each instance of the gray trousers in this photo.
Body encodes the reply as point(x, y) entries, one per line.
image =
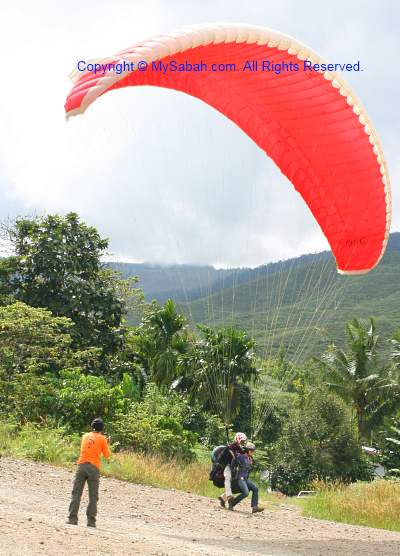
point(85, 472)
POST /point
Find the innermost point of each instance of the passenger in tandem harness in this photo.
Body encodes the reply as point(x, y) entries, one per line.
point(223, 460)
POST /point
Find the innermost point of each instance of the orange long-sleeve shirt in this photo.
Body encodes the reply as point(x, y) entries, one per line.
point(93, 444)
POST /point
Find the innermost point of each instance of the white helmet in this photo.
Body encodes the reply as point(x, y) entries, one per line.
point(240, 438)
point(250, 446)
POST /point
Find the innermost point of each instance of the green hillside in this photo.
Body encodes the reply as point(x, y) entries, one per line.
point(300, 303)
point(180, 282)
point(304, 305)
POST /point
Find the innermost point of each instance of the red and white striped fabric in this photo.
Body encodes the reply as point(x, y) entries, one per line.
point(310, 123)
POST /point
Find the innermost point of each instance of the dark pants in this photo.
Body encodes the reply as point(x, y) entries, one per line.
point(245, 486)
point(85, 472)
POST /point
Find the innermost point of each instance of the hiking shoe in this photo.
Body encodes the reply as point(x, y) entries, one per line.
point(230, 504)
point(221, 501)
point(72, 521)
point(257, 509)
point(91, 524)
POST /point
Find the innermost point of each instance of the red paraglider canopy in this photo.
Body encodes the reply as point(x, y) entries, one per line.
point(309, 122)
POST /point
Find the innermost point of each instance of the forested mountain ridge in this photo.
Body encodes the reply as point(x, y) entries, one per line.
point(299, 303)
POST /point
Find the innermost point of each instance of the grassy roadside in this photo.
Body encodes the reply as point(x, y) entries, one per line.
point(375, 504)
point(51, 446)
point(38, 443)
point(151, 470)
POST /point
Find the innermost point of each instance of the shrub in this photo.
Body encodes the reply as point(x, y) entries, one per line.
point(213, 430)
point(318, 441)
point(156, 425)
point(28, 397)
point(82, 397)
point(32, 339)
point(72, 399)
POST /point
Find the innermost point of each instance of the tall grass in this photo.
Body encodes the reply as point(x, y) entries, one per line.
point(375, 504)
point(154, 471)
point(40, 443)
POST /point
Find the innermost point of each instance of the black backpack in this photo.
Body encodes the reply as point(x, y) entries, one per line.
point(217, 472)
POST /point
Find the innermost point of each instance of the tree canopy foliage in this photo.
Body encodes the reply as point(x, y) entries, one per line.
point(360, 376)
point(57, 265)
point(318, 441)
point(32, 339)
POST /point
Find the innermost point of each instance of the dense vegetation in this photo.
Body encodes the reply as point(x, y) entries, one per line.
point(167, 385)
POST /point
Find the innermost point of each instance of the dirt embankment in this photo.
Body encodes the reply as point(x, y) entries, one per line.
point(136, 519)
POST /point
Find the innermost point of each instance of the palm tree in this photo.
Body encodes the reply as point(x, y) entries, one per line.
point(161, 340)
point(395, 351)
point(358, 375)
point(222, 363)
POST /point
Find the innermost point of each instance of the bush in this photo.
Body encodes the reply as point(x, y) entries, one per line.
point(32, 339)
point(290, 478)
point(156, 425)
point(28, 397)
point(213, 430)
point(318, 441)
point(82, 397)
point(72, 399)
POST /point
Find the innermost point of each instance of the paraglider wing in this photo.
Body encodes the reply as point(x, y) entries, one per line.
point(309, 122)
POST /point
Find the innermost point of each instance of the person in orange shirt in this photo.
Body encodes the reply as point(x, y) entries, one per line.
point(93, 444)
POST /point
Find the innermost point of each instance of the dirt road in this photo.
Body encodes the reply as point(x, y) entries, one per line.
point(136, 519)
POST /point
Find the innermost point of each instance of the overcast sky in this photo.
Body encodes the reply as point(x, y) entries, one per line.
point(162, 175)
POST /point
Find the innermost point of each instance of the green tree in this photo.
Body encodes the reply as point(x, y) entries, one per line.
point(318, 441)
point(8, 267)
point(33, 344)
point(395, 349)
point(221, 363)
point(33, 340)
point(281, 369)
point(359, 376)
point(160, 342)
point(57, 265)
point(28, 397)
point(395, 358)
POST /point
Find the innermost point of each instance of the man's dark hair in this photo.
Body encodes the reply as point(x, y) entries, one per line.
point(97, 424)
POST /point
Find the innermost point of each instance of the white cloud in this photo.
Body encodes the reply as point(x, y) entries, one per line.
point(161, 174)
